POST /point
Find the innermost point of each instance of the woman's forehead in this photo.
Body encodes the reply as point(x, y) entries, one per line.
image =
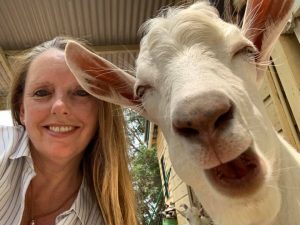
point(50, 64)
point(50, 56)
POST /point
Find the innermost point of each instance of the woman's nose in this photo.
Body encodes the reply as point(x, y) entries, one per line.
point(60, 107)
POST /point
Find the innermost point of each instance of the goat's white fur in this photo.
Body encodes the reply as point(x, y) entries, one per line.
point(191, 58)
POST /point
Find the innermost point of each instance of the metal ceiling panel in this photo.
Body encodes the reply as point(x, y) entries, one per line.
point(25, 23)
point(111, 25)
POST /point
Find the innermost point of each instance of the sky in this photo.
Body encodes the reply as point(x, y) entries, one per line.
point(5, 118)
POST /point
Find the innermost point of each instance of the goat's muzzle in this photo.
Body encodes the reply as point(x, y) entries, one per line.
point(222, 145)
point(198, 116)
point(240, 176)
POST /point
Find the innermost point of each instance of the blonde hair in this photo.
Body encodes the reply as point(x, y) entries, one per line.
point(105, 162)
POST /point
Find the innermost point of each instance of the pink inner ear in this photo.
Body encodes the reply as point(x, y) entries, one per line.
point(86, 61)
point(105, 78)
point(262, 14)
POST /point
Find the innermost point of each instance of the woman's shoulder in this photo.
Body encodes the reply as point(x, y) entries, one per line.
point(10, 138)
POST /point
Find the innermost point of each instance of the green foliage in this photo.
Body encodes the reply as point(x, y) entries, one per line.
point(145, 170)
point(147, 183)
point(136, 130)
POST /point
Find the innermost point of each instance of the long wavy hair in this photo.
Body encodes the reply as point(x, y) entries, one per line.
point(105, 162)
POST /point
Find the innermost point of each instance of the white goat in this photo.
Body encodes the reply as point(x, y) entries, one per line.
point(196, 78)
point(193, 215)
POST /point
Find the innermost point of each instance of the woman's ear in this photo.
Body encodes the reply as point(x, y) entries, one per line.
point(22, 114)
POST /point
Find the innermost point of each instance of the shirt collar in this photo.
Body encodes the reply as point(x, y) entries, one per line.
point(85, 203)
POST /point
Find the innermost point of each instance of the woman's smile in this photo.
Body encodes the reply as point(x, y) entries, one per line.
point(61, 129)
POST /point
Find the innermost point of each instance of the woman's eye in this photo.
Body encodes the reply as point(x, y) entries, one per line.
point(81, 92)
point(41, 93)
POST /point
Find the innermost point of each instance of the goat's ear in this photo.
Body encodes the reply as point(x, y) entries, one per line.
point(101, 78)
point(263, 23)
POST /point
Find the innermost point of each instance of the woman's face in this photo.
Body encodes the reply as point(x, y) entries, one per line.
point(59, 116)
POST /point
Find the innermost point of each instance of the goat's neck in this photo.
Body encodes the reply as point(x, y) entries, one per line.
point(289, 185)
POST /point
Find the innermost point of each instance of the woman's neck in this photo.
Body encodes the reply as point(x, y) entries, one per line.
point(53, 190)
point(54, 174)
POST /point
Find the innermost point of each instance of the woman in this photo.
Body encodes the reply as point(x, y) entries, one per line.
point(65, 161)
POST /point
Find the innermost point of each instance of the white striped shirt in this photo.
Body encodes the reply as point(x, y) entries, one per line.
point(16, 172)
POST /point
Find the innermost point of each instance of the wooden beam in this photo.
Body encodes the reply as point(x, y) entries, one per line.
point(287, 53)
point(297, 28)
point(4, 63)
point(183, 2)
point(281, 108)
point(3, 82)
point(114, 49)
point(5, 78)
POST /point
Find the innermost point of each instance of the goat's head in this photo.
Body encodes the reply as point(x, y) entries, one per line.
point(196, 78)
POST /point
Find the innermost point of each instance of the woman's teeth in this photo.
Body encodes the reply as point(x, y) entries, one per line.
point(61, 129)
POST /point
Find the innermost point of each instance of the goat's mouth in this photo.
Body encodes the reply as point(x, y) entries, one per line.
point(240, 176)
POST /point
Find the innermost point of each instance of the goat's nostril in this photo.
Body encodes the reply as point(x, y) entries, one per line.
point(203, 116)
point(186, 131)
point(224, 118)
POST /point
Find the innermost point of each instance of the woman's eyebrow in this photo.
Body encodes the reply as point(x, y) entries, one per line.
point(39, 83)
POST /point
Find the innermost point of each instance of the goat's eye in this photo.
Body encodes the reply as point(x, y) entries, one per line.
point(249, 51)
point(140, 90)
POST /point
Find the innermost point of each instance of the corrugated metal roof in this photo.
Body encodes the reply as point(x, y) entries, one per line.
point(110, 23)
point(25, 23)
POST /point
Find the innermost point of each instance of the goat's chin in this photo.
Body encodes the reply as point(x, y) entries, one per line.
point(240, 177)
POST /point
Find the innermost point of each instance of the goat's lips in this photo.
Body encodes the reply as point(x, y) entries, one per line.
point(240, 176)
